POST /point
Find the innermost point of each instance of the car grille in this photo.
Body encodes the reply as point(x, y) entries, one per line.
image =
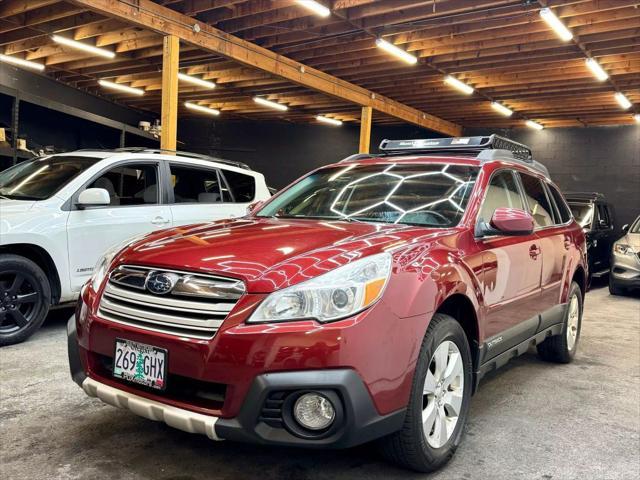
point(195, 307)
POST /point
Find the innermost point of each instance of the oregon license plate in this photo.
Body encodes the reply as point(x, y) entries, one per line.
point(140, 363)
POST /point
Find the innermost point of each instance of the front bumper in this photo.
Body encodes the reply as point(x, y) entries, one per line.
point(357, 419)
point(625, 271)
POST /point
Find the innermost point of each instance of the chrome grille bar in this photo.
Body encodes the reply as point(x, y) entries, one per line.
point(191, 312)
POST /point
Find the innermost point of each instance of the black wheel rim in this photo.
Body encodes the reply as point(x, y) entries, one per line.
point(19, 300)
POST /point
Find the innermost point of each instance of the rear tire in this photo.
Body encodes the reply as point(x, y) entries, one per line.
point(25, 297)
point(441, 400)
point(613, 288)
point(562, 348)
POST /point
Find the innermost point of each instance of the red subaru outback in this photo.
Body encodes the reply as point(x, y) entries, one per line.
point(365, 301)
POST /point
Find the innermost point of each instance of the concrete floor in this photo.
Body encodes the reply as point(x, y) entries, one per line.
point(530, 420)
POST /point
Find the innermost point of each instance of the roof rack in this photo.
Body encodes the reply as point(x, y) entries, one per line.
point(197, 156)
point(468, 145)
point(484, 148)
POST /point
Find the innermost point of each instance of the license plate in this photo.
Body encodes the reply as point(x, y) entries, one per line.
point(140, 363)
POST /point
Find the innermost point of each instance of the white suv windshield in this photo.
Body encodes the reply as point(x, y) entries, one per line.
point(433, 195)
point(40, 178)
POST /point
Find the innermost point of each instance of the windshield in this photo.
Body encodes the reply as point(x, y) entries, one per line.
point(433, 195)
point(39, 179)
point(583, 213)
point(635, 228)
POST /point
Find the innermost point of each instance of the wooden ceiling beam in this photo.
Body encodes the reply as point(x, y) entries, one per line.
point(163, 20)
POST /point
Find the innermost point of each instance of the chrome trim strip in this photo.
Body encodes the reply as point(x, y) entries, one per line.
point(152, 317)
point(166, 329)
point(175, 417)
point(168, 302)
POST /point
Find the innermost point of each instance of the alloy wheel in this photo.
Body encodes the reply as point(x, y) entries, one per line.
point(573, 322)
point(18, 301)
point(442, 394)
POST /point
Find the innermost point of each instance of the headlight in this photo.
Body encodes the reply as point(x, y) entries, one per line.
point(102, 266)
point(334, 295)
point(623, 249)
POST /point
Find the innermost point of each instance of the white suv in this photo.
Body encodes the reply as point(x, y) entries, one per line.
point(59, 213)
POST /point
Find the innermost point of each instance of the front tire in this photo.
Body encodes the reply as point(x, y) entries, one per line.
point(25, 296)
point(439, 401)
point(562, 348)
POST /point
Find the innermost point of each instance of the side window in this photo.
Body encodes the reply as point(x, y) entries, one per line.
point(604, 221)
point(195, 185)
point(502, 192)
point(131, 184)
point(243, 187)
point(563, 209)
point(539, 206)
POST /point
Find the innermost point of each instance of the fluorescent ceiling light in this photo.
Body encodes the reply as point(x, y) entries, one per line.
point(636, 117)
point(596, 69)
point(622, 100)
point(200, 108)
point(196, 81)
point(554, 22)
point(396, 51)
point(315, 7)
point(457, 84)
point(329, 121)
point(21, 63)
point(270, 104)
point(534, 125)
point(507, 112)
point(83, 46)
point(122, 88)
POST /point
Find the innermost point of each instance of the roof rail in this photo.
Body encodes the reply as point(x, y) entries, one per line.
point(358, 156)
point(183, 154)
point(197, 156)
point(584, 194)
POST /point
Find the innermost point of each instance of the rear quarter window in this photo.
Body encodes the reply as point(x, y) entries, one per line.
point(563, 209)
point(243, 187)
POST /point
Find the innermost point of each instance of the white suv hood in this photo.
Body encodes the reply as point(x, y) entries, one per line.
point(14, 206)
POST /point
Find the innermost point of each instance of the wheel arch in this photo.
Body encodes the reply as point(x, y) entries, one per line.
point(462, 309)
point(580, 277)
point(40, 257)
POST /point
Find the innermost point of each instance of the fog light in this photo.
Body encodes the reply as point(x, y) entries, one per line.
point(314, 411)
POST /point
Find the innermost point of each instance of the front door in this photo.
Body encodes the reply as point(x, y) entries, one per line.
point(135, 208)
point(511, 279)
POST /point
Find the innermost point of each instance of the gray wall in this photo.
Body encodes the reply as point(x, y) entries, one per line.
point(599, 159)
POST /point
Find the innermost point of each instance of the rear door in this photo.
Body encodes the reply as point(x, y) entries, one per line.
point(136, 207)
point(551, 239)
point(200, 194)
point(511, 279)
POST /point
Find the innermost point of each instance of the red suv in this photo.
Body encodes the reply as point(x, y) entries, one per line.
point(365, 301)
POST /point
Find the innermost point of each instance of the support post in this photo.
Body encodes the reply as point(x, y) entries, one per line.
point(15, 122)
point(365, 129)
point(169, 114)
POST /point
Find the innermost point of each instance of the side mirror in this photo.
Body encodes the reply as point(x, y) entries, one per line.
point(92, 197)
point(506, 221)
point(625, 228)
point(252, 207)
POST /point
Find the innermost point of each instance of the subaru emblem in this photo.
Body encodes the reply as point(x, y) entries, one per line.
point(161, 283)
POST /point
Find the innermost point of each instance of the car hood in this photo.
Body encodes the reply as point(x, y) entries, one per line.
point(8, 206)
point(269, 253)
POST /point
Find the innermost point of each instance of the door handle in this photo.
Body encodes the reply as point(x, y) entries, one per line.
point(160, 221)
point(534, 251)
